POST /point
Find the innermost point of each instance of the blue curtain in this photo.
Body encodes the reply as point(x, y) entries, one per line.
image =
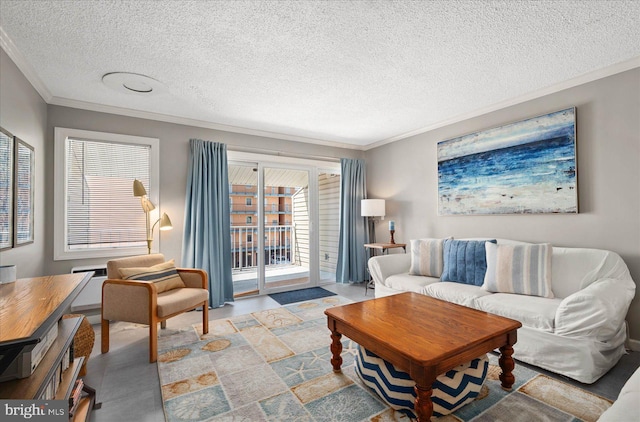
point(352, 258)
point(207, 234)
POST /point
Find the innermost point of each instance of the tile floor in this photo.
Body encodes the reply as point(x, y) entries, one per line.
point(129, 388)
point(128, 385)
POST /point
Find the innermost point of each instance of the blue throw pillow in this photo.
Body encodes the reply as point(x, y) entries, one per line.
point(465, 261)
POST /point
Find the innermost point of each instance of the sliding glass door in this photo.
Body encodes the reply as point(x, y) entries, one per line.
point(284, 226)
point(287, 214)
point(243, 201)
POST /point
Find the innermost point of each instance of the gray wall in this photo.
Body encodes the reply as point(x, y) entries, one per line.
point(24, 113)
point(608, 148)
point(174, 155)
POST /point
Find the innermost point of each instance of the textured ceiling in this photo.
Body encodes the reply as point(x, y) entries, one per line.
point(345, 72)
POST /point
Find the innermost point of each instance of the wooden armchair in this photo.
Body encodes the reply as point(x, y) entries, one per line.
point(139, 301)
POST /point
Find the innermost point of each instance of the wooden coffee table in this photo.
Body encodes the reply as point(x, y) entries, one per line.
point(424, 337)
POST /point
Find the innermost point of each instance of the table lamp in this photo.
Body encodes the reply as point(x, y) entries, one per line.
point(372, 208)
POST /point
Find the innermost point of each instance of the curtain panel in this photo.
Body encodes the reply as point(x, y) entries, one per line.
point(206, 242)
point(352, 258)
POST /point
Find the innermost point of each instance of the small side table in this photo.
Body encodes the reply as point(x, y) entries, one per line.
point(371, 252)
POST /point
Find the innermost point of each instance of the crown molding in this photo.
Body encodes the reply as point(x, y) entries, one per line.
point(27, 70)
point(551, 89)
point(122, 111)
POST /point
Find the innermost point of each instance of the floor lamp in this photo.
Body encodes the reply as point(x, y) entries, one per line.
point(147, 207)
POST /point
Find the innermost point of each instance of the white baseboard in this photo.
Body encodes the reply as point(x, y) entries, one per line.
point(633, 345)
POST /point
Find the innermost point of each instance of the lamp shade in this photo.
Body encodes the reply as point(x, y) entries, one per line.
point(372, 208)
point(138, 188)
point(165, 222)
point(147, 205)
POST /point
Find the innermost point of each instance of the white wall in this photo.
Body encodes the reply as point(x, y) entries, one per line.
point(24, 113)
point(608, 149)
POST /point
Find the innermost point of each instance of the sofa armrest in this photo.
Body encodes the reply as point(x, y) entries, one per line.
point(194, 278)
point(383, 266)
point(129, 300)
point(596, 311)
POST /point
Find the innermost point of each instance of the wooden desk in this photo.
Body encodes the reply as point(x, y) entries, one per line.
point(424, 337)
point(29, 308)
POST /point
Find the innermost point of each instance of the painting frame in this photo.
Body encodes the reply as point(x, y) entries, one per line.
point(526, 166)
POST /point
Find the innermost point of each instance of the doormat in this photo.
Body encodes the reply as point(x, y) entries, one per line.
point(286, 298)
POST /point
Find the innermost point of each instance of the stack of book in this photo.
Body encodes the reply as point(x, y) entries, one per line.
point(76, 396)
point(51, 388)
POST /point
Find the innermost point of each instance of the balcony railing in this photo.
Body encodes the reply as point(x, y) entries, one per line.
point(243, 208)
point(277, 246)
point(253, 209)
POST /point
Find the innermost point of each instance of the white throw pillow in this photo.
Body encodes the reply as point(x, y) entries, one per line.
point(426, 257)
point(520, 269)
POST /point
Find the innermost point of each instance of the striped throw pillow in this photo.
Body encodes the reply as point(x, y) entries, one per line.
point(426, 257)
point(165, 275)
point(520, 269)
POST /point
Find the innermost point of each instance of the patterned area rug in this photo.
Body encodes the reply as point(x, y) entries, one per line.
point(274, 365)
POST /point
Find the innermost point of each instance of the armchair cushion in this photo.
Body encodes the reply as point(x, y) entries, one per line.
point(177, 300)
point(165, 276)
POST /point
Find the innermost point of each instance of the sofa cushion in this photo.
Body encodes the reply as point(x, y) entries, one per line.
point(426, 257)
point(520, 269)
point(459, 293)
point(531, 311)
point(409, 283)
point(165, 276)
point(465, 261)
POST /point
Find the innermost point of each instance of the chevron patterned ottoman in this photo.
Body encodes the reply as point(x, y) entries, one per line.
point(451, 391)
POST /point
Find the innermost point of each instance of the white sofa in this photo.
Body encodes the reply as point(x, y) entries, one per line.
point(579, 333)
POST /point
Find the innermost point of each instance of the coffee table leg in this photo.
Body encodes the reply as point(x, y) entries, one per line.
point(336, 350)
point(423, 404)
point(506, 364)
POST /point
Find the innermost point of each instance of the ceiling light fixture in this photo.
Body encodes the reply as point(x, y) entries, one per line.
point(132, 83)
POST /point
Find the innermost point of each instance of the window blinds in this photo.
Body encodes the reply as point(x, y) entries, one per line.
point(6, 191)
point(101, 211)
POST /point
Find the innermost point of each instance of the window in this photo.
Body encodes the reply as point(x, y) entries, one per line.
point(6, 189)
point(96, 213)
point(24, 190)
point(249, 219)
point(249, 238)
point(248, 201)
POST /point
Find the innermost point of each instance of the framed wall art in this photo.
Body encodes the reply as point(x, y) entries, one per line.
point(525, 167)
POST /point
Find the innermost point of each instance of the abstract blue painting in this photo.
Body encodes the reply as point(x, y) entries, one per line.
point(526, 167)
